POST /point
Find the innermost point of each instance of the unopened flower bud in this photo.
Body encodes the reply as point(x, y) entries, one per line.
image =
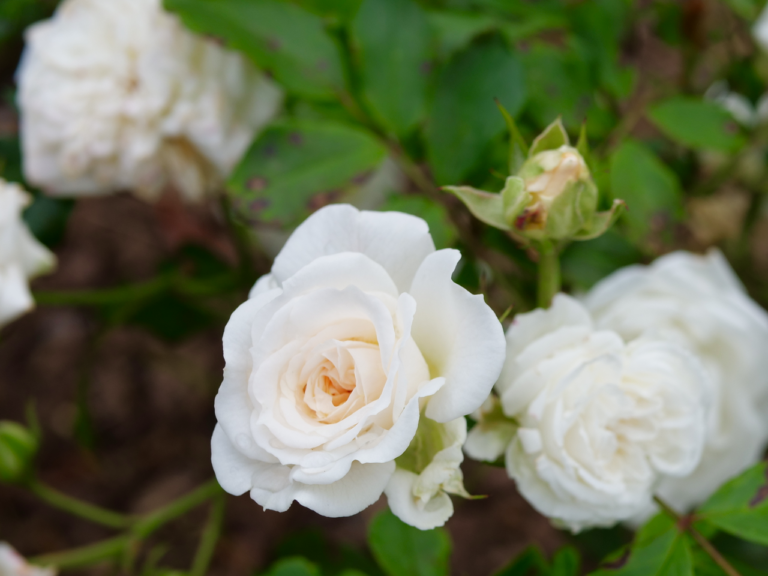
point(18, 447)
point(552, 197)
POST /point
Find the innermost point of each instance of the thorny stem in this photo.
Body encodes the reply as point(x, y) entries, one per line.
point(705, 544)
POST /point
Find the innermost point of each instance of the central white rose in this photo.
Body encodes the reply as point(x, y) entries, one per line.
point(357, 334)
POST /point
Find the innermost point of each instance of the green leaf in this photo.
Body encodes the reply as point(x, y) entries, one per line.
point(402, 550)
point(280, 37)
point(740, 507)
point(697, 123)
point(393, 37)
point(293, 567)
point(455, 30)
point(659, 549)
point(566, 562)
point(343, 10)
point(553, 137)
point(518, 147)
point(294, 167)
point(705, 566)
point(649, 188)
point(529, 559)
point(585, 263)
point(464, 118)
point(441, 228)
point(485, 206)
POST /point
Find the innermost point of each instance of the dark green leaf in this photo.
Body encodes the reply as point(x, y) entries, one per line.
point(566, 562)
point(455, 30)
point(443, 231)
point(171, 318)
point(393, 37)
point(530, 561)
point(650, 189)
point(705, 566)
point(293, 168)
point(740, 507)
point(402, 550)
point(293, 567)
point(585, 263)
point(279, 37)
point(659, 549)
point(464, 117)
point(344, 10)
point(697, 123)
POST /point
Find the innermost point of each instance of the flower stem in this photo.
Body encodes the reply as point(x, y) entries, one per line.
point(78, 507)
point(85, 555)
point(148, 524)
point(209, 538)
point(549, 273)
point(705, 544)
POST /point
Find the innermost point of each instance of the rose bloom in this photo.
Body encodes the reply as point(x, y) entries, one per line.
point(355, 344)
point(119, 95)
point(698, 302)
point(21, 255)
point(12, 564)
point(599, 421)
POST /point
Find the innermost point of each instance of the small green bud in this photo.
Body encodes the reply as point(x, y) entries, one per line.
point(18, 447)
point(552, 197)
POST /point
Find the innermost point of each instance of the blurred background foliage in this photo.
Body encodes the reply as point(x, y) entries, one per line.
point(388, 100)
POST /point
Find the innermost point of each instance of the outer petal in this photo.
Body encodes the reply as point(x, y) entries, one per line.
point(15, 298)
point(399, 493)
point(263, 284)
point(234, 471)
point(360, 488)
point(459, 336)
point(399, 242)
point(488, 441)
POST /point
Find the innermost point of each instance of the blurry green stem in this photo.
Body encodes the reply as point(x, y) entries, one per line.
point(78, 507)
point(243, 244)
point(151, 522)
point(705, 544)
point(209, 538)
point(85, 555)
point(549, 273)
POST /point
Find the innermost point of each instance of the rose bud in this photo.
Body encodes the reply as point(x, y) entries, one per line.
point(18, 447)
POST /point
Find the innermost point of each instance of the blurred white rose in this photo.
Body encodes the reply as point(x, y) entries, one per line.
point(760, 30)
point(599, 420)
point(357, 334)
point(698, 302)
point(12, 564)
point(118, 95)
point(21, 255)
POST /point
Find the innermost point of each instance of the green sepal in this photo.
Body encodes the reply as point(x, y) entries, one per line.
point(485, 206)
point(571, 211)
point(518, 148)
point(602, 221)
point(514, 199)
point(583, 144)
point(553, 137)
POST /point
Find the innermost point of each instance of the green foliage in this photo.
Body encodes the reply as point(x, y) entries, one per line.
point(18, 447)
point(296, 167)
point(441, 228)
point(395, 53)
point(650, 189)
point(659, 549)
point(464, 119)
point(697, 124)
point(530, 561)
point(280, 37)
point(293, 567)
point(740, 507)
point(402, 550)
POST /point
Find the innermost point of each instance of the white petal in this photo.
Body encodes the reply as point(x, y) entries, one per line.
point(234, 471)
point(360, 488)
point(263, 284)
point(399, 493)
point(15, 298)
point(399, 242)
point(340, 271)
point(488, 441)
point(459, 336)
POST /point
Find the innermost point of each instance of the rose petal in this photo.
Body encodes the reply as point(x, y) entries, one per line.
point(399, 493)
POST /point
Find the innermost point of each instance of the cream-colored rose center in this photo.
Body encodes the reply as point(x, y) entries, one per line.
point(340, 377)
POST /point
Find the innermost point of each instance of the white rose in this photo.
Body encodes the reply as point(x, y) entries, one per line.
point(118, 95)
point(760, 30)
point(21, 255)
point(12, 564)
point(356, 335)
point(698, 302)
point(599, 420)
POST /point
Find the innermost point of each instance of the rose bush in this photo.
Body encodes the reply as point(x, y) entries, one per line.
point(356, 336)
point(599, 420)
point(119, 95)
point(12, 564)
point(698, 302)
point(21, 255)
